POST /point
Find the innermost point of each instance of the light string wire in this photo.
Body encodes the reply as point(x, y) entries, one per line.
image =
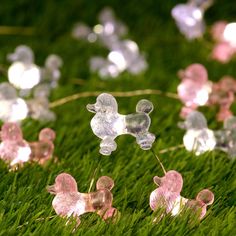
point(133, 93)
point(16, 30)
point(162, 151)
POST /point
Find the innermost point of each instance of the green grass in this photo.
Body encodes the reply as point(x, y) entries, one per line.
point(25, 205)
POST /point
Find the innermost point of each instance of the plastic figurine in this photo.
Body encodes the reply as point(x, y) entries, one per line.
point(223, 94)
point(23, 73)
point(198, 138)
point(12, 108)
point(225, 36)
point(167, 196)
point(42, 150)
point(69, 202)
point(189, 17)
point(108, 31)
point(107, 123)
point(31, 82)
point(51, 72)
point(226, 137)
point(194, 88)
point(14, 150)
point(124, 54)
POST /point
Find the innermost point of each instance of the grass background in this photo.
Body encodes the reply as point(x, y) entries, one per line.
point(25, 205)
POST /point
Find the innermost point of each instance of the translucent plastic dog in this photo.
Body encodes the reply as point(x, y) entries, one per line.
point(69, 202)
point(167, 196)
point(107, 124)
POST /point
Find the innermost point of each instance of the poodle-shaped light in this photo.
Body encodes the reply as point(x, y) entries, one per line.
point(223, 95)
point(224, 34)
point(107, 124)
point(194, 88)
point(198, 138)
point(23, 73)
point(226, 137)
point(69, 202)
point(124, 54)
point(189, 17)
point(42, 150)
point(14, 150)
point(12, 108)
point(167, 196)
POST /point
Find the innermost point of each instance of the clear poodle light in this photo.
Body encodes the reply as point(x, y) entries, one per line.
point(107, 123)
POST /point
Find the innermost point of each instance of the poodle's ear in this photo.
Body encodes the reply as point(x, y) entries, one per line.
point(91, 108)
point(144, 106)
point(157, 180)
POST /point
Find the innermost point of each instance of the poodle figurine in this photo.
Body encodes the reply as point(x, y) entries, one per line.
point(226, 137)
point(194, 89)
point(223, 95)
point(12, 108)
point(189, 17)
point(42, 150)
point(69, 202)
point(167, 196)
point(198, 138)
point(13, 148)
point(23, 73)
point(224, 35)
point(107, 124)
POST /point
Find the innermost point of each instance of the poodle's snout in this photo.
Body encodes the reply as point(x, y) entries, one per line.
point(12, 57)
point(51, 189)
point(91, 108)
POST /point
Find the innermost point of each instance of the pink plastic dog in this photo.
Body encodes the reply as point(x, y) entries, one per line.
point(69, 202)
point(167, 196)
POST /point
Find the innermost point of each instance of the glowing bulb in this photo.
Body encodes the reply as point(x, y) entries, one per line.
point(19, 110)
point(23, 155)
point(132, 46)
point(109, 28)
point(118, 59)
point(23, 76)
point(98, 29)
point(230, 34)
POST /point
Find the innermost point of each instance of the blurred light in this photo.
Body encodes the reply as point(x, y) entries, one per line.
point(109, 28)
point(23, 155)
point(230, 33)
point(92, 37)
point(132, 46)
point(19, 110)
point(197, 14)
point(98, 29)
point(118, 59)
point(23, 76)
point(202, 97)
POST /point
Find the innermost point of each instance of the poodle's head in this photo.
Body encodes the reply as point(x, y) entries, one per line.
point(11, 132)
point(64, 183)
point(172, 181)
point(105, 103)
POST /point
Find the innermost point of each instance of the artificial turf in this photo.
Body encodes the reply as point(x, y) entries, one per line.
point(25, 205)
